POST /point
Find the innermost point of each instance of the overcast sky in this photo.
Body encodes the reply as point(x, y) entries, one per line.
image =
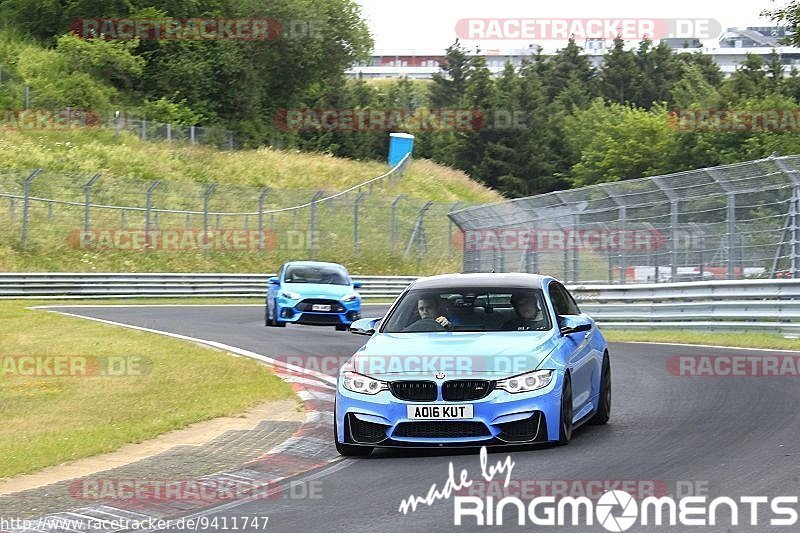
point(431, 24)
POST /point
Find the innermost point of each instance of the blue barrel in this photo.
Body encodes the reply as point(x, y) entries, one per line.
point(400, 144)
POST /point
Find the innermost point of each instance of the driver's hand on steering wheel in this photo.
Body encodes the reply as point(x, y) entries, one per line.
point(442, 321)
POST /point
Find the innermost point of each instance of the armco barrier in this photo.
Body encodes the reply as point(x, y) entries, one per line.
point(735, 305)
point(159, 285)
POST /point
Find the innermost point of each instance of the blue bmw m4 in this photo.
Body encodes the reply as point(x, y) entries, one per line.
point(473, 360)
point(312, 292)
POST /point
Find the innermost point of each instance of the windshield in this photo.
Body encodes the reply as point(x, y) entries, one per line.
point(469, 309)
point(328, 275)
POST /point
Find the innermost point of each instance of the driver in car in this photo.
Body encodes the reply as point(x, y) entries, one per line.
point(429, 308)
point(529, 316)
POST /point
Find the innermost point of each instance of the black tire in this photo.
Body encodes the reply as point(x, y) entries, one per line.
point(267, 320)
point(604, 398)
point(348, 450)
point(341, 327)
point(274, 322)
point(565, 418)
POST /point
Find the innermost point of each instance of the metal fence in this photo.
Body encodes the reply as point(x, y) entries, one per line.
point(82, 285)
point(152, 130)
point(756, 305)
point(728, 222)
point(61, 212)
point(23, 97)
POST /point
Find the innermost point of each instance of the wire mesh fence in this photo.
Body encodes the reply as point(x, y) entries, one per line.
point(152, 130)
point(66, 213)
point(24, 108)
point(729, 222)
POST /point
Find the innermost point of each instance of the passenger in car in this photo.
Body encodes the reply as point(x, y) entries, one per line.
point(529, 315)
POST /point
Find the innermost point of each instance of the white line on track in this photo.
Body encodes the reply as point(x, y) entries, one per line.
point(335, 466)
point(214, 344)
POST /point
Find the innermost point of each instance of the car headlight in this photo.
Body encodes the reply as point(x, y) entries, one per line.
point(350, 298)
point(355, 382)
point(530, 381)
point(290, 295)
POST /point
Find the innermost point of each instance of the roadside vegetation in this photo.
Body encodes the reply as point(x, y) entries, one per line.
point(129, 166)
point(748, 339)
point(170, 384)
point(555, 122)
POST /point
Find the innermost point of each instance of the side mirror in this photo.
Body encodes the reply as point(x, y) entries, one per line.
point(365, 326)
point(357, 284)
point(274, 280)
point(574, 324)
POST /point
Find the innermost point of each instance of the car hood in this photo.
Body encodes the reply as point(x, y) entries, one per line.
point(489, 355)
point(319, 290)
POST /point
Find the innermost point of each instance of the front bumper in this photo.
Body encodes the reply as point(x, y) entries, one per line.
point(500, 418)
point(301, 312)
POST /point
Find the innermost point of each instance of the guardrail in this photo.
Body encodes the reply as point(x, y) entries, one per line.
point(734, 305)
point(161, 285)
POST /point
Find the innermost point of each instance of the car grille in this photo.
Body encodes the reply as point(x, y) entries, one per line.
point(460, 390)
point(318, 320)
point(522, 430)
point(306, 305)
point(447, 429)
point(414, 391)
point(366, 432)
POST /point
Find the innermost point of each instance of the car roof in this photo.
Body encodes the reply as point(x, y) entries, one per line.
point(504, 279)
point(314, 263)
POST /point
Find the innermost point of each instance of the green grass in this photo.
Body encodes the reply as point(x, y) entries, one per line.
point(741, 340)
point(46, 421)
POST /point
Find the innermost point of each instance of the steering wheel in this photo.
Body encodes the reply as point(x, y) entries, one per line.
point(425, 324)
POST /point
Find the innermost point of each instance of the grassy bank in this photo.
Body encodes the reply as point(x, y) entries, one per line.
point(168, 384)
point(716, 338)
point(128, 167)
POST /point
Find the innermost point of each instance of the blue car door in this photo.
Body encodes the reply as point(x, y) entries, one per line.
point(580, 361)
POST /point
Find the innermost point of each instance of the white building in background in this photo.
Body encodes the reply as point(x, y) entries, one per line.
point(733, 46)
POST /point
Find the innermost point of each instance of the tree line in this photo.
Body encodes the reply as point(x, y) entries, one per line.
point(644, 111)
point(552, 122)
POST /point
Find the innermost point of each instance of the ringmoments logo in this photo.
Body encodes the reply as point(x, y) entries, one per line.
point(615, 510)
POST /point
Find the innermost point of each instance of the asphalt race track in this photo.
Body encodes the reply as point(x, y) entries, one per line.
point(727, 436)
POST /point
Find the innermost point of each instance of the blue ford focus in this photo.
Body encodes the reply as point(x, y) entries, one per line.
point(473, 359)
point(312, 292)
